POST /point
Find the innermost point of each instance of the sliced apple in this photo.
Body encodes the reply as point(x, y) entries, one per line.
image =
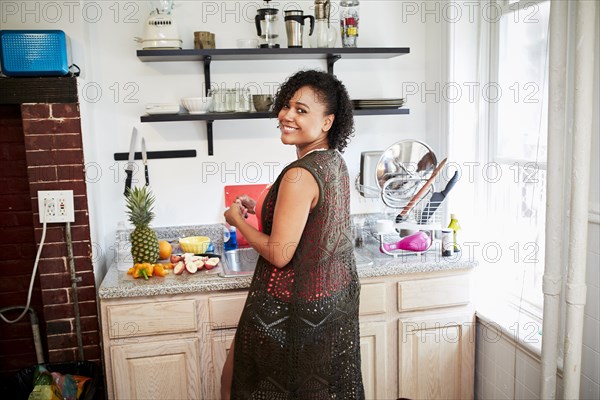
point(179, 268)
point(211, 262)
point(175, 259)
point(191, 267)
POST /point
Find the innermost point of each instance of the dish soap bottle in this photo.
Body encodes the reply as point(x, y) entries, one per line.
point(455, 226)
point(230, 239)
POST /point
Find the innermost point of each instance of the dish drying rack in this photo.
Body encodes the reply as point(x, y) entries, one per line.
point(423, 215)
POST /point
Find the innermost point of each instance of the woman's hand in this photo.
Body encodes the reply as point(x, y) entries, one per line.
point(248, 202)
point(235, 213)
point(298, 193)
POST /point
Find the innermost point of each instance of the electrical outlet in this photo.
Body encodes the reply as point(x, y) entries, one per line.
point(56, 206)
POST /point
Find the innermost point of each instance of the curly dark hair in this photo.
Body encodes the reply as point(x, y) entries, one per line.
point(332, 93)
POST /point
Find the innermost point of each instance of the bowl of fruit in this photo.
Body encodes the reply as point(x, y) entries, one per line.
point(194, 244)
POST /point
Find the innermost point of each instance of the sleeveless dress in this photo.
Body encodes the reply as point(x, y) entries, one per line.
point(298, 336)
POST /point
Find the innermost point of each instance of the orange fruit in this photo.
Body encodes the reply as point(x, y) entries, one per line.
point(164, 250)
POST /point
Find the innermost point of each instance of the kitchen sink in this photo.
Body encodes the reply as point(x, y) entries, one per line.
point(239, 262)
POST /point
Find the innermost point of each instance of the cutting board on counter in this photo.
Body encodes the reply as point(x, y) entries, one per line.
point(234, 191)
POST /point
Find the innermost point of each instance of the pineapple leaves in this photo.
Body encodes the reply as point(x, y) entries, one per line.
point(140, 202)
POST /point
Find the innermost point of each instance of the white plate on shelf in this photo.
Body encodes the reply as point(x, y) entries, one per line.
point(162, 108)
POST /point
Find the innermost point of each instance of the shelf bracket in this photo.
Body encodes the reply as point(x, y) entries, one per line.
point(209, 136)
point(207, 60)
point(209, 123)
point(331, 59)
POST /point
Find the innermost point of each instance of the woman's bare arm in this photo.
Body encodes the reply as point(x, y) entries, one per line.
point(298, 194)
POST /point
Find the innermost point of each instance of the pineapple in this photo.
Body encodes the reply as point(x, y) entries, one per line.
point(144, 243)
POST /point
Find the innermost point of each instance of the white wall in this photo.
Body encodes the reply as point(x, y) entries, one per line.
point(115, 86)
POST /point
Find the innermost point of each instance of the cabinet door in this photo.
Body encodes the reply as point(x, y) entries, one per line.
point(156, 370)
point(220, 343)
point(436, 359)
point(373, 359)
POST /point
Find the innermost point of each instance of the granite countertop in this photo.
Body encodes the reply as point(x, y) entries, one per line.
point(117, 284)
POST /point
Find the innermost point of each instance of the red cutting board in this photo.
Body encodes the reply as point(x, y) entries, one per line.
point(234, 191)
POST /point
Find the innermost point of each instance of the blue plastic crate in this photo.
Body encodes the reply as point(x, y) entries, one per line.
point(34, 53)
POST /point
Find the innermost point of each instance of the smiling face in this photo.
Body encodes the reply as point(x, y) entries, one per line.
point(303, 122)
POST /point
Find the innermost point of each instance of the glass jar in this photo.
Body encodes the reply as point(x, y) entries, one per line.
point(230, 95)
point(242, 100)
point(349, 22)
point(218, 96)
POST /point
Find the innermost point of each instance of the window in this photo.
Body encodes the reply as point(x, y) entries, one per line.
point(515, 180)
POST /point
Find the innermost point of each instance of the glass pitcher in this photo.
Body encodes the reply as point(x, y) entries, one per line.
point(325, 33)
point(266, 27)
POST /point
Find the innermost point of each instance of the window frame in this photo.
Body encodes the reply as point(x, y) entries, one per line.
point(490, 153)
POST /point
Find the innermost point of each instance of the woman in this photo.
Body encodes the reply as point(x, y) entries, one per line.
point(298, 335)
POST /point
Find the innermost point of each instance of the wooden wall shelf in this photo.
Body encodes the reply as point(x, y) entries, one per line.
point(206, 56)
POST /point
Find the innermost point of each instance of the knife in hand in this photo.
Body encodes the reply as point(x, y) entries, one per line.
point(130, 161)
point(145, 159)
point(436, 199)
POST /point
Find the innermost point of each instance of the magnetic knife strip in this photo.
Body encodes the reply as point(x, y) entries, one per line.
point(158, 154)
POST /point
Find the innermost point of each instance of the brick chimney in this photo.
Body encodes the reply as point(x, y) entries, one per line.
point(42, 150)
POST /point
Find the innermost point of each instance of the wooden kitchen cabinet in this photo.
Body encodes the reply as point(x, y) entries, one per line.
point(373, 349)
point(152, 347)
point(436, 344)
point(226, 310)
point(220, 344)
point(168, 346)
point(165, 369)
point(436, 357)
point(373, 345)
point(416, 335)
point(224, 314)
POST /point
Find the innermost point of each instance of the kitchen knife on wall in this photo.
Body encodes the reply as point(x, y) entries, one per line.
point(436, 199)
point(402, 216)
point(145, 159)
point(130, 161)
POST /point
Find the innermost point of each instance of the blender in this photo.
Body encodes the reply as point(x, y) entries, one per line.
point(266, 26)
point(160, 31)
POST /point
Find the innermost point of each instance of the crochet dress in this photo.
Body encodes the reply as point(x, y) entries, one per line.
point(298, 336)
